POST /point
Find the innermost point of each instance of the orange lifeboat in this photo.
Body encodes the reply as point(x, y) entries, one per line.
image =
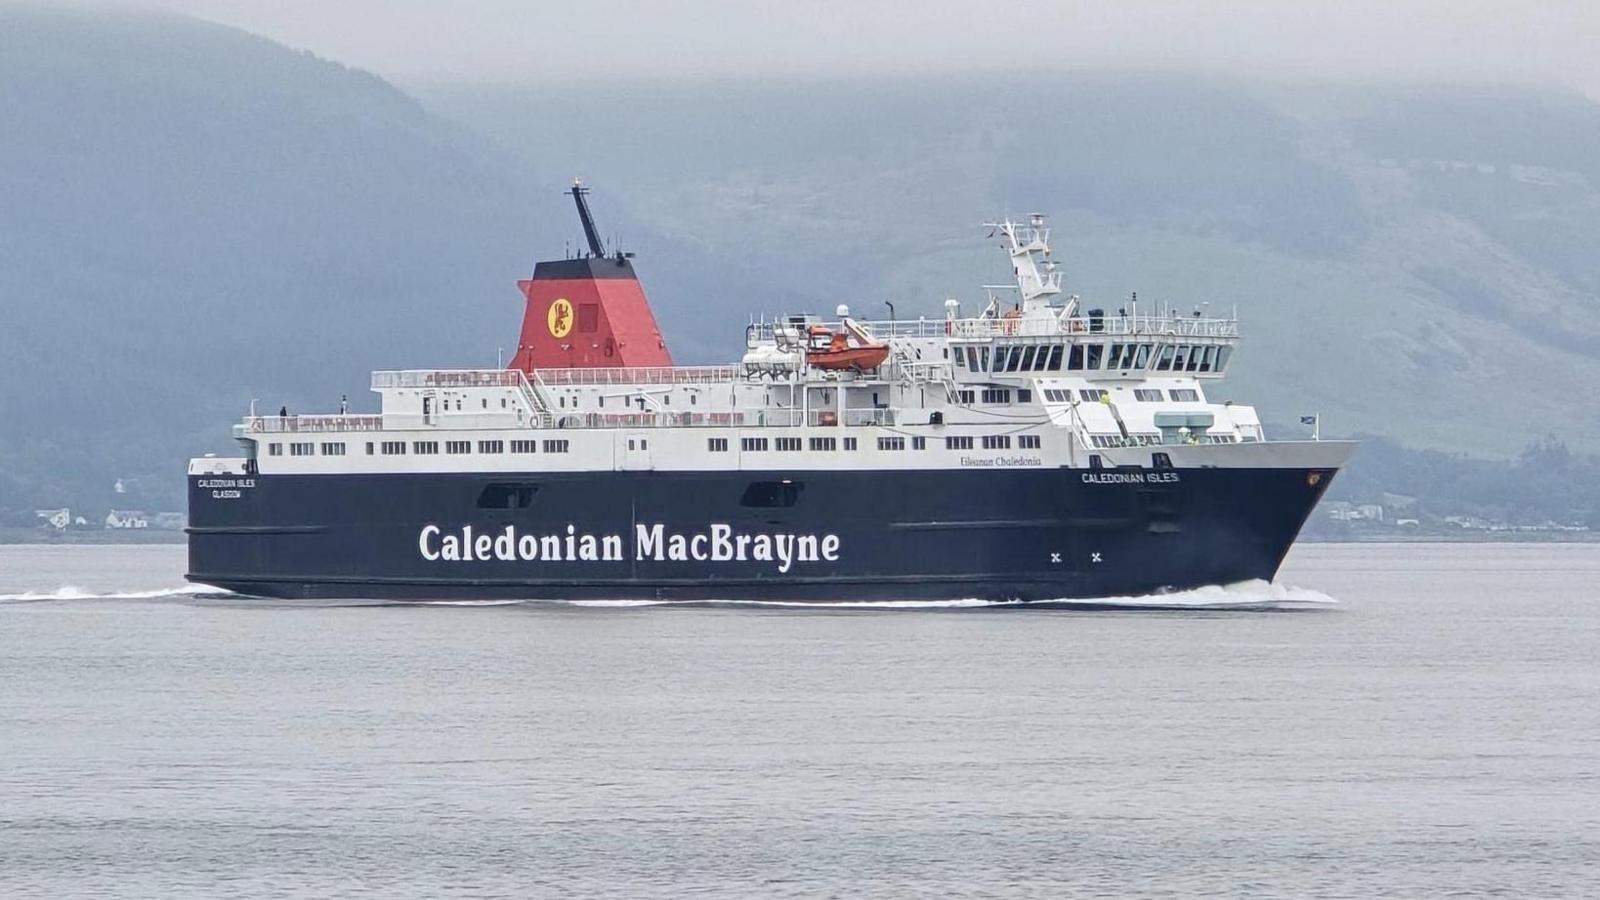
point(834, 351)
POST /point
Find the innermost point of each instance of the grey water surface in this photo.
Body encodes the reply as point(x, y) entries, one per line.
point(1436, 732)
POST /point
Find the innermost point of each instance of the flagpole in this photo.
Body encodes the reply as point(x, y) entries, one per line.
point(1316, 428)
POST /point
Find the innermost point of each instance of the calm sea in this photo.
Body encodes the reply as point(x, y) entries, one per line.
point(1436, 732)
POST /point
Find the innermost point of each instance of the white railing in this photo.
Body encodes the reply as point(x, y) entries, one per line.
point(645, 375)
point(1035, 326)
point(1087, 327)
point(296, 424)
point(426, 378)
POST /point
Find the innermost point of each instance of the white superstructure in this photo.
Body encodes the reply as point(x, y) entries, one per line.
point(1031, 380)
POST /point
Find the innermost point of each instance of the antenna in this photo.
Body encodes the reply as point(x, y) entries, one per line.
point(578, 192)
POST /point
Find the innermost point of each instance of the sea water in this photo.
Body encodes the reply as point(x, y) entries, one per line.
point(1412, 720)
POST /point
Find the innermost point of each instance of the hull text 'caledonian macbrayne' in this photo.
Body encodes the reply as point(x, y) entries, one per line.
point(1035, 450)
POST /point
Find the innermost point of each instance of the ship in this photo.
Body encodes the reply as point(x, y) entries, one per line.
point(1024, 447)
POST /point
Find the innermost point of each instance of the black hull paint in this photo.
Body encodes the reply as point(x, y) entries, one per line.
point(1020, 534)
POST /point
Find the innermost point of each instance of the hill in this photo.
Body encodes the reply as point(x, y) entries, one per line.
point(194, 217)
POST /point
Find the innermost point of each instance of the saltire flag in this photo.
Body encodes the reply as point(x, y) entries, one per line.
point(1308, 420)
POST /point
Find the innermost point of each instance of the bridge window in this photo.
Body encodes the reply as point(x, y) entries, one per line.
point(1075, 359)
point(1027, 358)
point(772, 494)
point(507, 496)
point(1222, 358)
point(1094, 356)
point(1141, 356)
point(717, 445)
point(1055, 359)
point(1164, 363)
point(958, 442)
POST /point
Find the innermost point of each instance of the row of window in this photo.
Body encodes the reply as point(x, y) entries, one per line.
point(421, 448)
point(628, 401)
point(1147, 395)
point(1146, 440)
point(885, 442)
point(329, 448)
point(715, 445)
point(1110, 357)
point(999, 396)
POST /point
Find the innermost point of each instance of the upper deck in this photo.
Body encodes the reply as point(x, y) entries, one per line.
point(1071, 327)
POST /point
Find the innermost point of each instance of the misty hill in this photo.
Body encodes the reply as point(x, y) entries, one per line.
point(1412, 262)
point(194, 217)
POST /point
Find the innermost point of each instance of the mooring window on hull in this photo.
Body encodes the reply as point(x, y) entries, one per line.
point(772, 494)
point(507, 496)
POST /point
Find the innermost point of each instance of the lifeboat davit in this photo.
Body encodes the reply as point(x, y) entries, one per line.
point(834, 350)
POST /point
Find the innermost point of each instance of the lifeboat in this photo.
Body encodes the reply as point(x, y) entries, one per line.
point(835, 351)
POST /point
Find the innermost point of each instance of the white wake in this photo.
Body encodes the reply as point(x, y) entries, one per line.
point(73, 592)
point(1242, 596)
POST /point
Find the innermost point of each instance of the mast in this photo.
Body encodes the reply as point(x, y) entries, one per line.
point(1038, 279)
point(578, 192)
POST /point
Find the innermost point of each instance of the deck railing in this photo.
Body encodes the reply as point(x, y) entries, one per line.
point(645, 375)
point(425, 378)
point(1038, 326)
point(312, 424)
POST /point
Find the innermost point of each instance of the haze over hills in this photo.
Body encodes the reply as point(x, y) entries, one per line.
point(194, 217)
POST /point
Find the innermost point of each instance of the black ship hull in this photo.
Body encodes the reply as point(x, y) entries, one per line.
point(1030, 535)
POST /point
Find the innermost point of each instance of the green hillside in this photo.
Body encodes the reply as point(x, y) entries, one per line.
point(193, 217)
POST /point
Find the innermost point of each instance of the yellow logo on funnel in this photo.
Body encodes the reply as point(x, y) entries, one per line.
point(560, 318)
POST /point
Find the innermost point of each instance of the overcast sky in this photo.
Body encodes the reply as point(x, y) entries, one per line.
point(1543, 41)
